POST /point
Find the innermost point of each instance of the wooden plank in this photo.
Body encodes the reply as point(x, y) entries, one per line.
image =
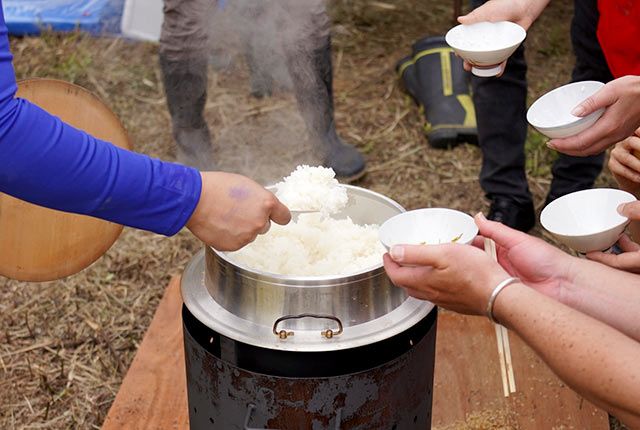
point(153, 394)
point(467, 388)
point(40, 244)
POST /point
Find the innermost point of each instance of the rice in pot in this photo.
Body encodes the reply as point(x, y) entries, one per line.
point(316, 244)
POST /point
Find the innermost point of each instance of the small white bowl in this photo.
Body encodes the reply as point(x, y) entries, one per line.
point(587, 220)
point(486, 45)
point(551, 113)
point(430, 226)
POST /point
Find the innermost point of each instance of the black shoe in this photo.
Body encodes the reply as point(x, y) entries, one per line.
point(260, 81)
point(311, 76)
point(185, 86)
point(345, 159)
point(194, 148)
point(513, 214)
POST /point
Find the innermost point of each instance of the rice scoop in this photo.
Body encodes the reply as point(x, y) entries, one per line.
point(316, 244)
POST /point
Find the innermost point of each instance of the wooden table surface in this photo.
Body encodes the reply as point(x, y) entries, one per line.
point(467, 387)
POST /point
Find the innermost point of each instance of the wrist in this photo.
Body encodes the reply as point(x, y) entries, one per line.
point(494, 295)
point(568, 288)
point(193, 219)
point(507, 303)
point(532, 10)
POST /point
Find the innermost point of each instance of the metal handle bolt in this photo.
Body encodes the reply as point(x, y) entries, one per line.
point(283, 334)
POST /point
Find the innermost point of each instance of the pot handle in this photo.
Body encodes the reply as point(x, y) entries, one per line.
point(251, 407)
point(328, 333)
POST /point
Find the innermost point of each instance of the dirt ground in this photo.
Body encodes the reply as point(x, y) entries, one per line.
point(65, 345)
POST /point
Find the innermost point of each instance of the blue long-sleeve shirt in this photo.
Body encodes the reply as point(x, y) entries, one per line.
point(50, 163)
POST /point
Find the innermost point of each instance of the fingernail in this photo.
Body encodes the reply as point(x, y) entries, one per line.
point(621, 207)
point(577, 111)
point(397, 252)
point(481, 216)
point(551, 145)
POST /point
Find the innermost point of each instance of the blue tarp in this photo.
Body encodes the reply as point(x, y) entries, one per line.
point(31, 16)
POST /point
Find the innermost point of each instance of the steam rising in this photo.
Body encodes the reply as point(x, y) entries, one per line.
point(252, 112)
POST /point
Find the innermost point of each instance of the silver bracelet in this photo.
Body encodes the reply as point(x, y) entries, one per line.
point(495, 293)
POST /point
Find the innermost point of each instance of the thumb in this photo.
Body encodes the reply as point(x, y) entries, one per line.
point(503, 235)
point(630, 210)
point(422, 255)
point(280, 213)
point(601, 98)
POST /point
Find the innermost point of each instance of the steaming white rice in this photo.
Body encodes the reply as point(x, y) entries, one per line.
point(312, 188)
point(315, 245)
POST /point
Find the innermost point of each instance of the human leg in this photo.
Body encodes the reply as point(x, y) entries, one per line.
point(183, 62)
point(500, 105)
point(572, 173)
point(309, 64)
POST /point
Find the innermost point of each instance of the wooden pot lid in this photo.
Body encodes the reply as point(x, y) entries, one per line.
point(40, 244)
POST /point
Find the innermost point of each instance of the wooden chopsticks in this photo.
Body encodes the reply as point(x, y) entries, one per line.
point(502, 337)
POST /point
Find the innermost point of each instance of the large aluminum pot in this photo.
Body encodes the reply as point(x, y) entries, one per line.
point(303, 313)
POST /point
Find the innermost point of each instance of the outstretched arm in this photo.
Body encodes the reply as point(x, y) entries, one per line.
point(604, 293)
point(568, 309)
point(49, 163)
point(593, 358)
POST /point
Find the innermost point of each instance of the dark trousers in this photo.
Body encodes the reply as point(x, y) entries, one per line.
point(502, 125)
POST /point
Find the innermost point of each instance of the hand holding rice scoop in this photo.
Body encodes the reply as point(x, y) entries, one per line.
point(315, 244)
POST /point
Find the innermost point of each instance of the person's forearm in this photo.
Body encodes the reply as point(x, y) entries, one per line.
point(604, 293)
point(594, 359)
point(49, 163)
point(534, 8)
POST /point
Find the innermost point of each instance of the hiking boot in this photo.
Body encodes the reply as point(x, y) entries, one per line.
point(185, 86)
point(437, 81)
point(260, 80)
point(311, 76)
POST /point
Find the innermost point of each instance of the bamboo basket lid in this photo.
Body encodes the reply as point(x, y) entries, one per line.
point(40, 244)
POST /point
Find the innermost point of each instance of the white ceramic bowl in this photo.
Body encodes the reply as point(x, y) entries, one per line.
point(587, 220)
point(430, 226)
point(551, 113)
point(486, 45)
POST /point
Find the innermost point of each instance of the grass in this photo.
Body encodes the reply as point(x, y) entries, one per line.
point(539, 157)
point(65, 345)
